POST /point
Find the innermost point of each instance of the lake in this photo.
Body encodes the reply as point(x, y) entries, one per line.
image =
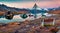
point(17, 18)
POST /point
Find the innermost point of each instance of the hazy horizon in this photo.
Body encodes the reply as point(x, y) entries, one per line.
point(30, 3)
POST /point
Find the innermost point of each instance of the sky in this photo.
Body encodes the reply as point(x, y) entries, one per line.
point(30, 3)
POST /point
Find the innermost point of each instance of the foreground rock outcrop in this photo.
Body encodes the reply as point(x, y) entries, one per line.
point(33, 26)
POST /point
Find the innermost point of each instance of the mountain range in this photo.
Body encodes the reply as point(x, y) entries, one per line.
point(7, 8)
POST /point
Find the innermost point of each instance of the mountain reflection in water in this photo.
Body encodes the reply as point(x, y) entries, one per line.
point(16, 18)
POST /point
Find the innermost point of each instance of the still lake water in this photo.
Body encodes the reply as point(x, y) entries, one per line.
point(17, 18)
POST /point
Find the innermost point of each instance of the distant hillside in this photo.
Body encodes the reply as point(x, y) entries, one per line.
point(7, 8)
point(54, 12)
point(4, 8)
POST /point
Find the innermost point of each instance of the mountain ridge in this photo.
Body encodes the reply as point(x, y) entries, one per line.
point(4, 7)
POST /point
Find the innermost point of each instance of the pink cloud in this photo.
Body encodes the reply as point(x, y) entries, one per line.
point(42, 4)
point(49, 4)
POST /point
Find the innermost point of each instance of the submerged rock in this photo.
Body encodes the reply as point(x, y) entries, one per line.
point(9, 15)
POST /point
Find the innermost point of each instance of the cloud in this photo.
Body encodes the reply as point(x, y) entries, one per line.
point(25, 0)
point(40, 3)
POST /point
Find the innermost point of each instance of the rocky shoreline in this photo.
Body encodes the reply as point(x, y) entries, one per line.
point(33, 26)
